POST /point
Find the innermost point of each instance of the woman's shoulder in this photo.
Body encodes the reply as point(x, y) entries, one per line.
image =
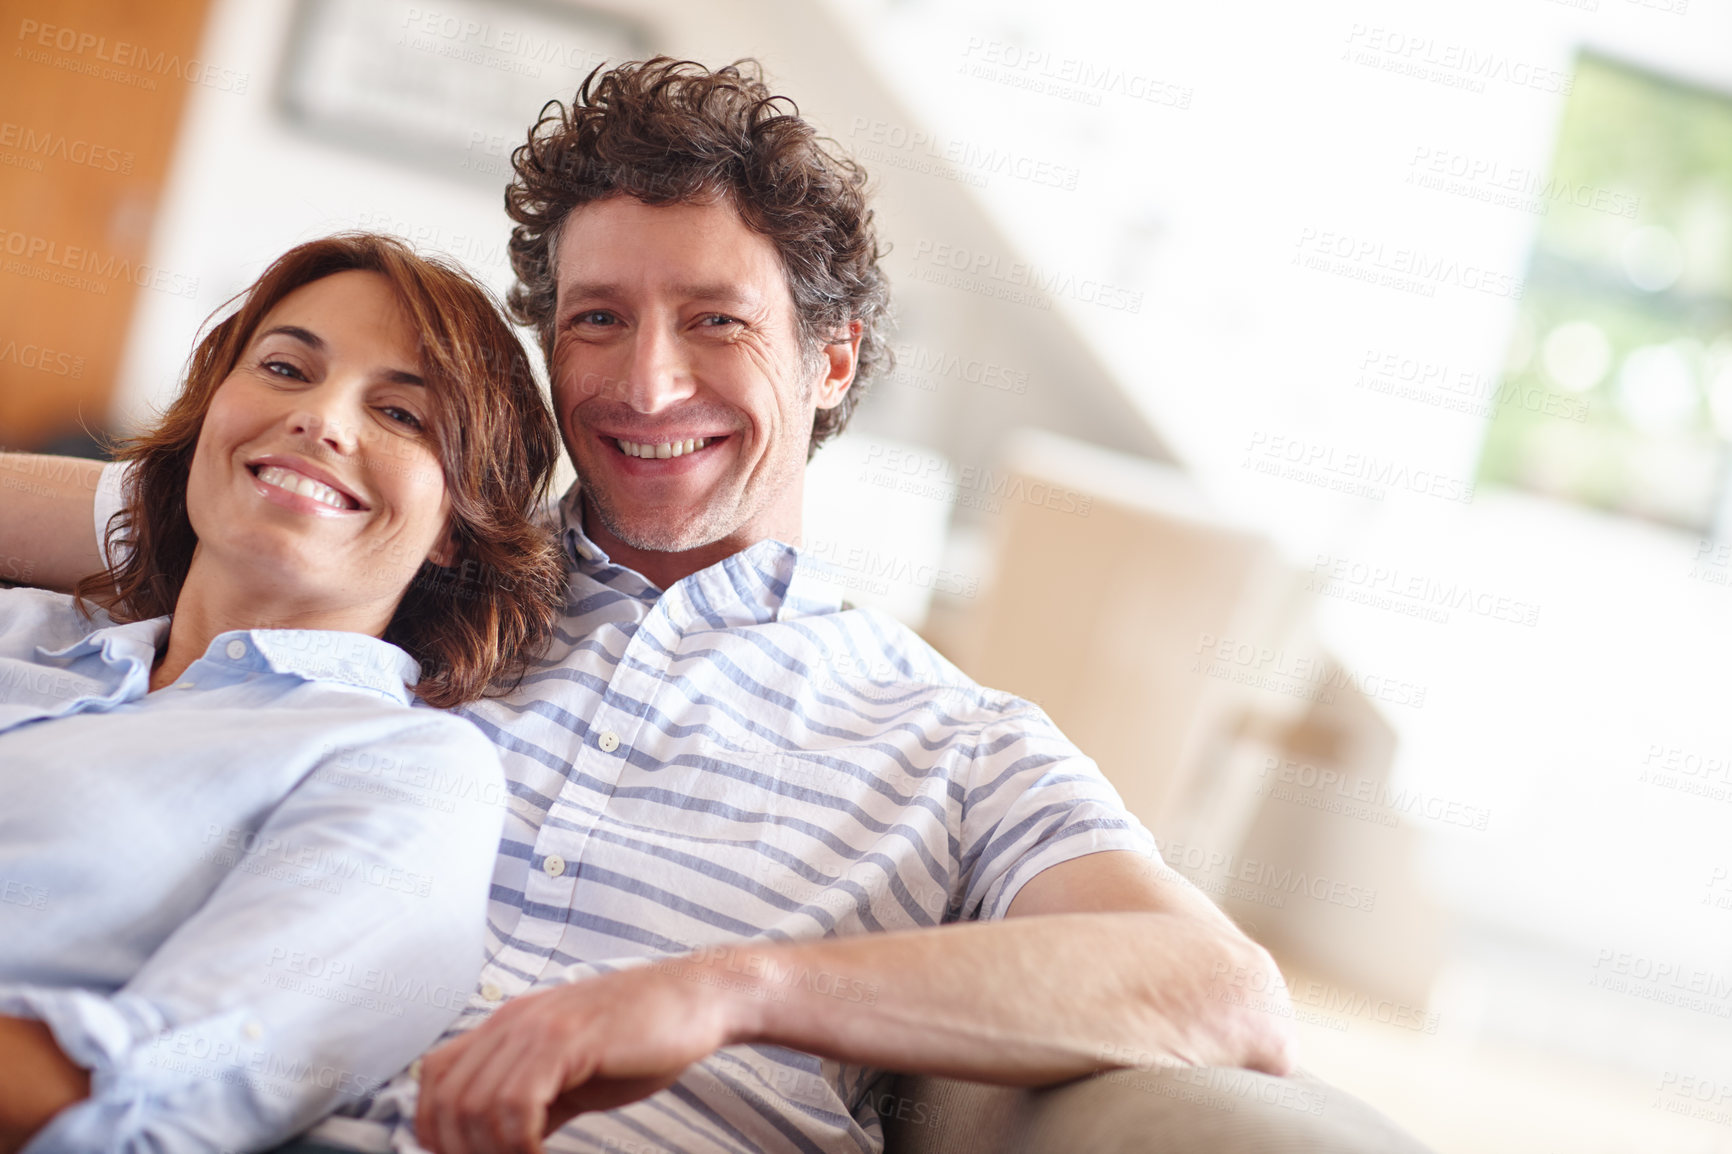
point(430, 766)
point(417, 740)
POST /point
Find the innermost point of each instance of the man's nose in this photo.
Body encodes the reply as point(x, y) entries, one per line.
point(660, 374)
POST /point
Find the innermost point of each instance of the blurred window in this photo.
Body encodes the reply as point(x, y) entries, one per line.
point(1625, 330)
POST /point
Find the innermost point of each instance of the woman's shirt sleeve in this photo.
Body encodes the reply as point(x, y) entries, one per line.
point(347, 934)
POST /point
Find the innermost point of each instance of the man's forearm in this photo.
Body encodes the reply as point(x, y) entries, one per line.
point(1107, 960)
point(47, 528)
point(1024, 1001)
point(37, 1081)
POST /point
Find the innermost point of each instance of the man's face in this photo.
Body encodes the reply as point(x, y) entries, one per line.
point(678, 377)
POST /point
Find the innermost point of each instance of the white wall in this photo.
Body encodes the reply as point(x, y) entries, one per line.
point(1286, 135)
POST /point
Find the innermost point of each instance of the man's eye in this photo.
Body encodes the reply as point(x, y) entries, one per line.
point(593, 317)
point(718, 320)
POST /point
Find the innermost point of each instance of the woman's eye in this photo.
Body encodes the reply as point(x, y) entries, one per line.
point(402, 416)
point(593, 317)
point(283, 369)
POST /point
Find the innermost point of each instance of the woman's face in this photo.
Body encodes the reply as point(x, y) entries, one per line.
point(315, 479)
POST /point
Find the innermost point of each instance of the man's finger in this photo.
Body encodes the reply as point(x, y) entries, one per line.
point(506, 1099)
point(440, 1122)
point(494, 1099)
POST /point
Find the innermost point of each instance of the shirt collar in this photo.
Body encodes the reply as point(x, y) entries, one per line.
point(768, 581)
point(124, 653)
point(129, 652)
point(321, 655)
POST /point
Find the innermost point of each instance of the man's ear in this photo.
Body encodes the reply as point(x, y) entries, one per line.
point(841, 360)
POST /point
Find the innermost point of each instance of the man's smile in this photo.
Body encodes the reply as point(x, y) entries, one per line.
point(661, 449)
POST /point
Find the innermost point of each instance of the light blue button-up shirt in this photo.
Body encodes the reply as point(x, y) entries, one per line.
point(742, 756)
point(241, 901)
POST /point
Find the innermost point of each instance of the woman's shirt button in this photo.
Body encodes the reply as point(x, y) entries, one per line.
point(553, 865)
point(609, 741)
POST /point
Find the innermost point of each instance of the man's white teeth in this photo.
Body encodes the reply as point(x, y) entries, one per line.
point(307, 487)
point(663, 450)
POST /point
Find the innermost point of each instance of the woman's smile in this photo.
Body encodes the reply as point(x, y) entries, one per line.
point(294, 485)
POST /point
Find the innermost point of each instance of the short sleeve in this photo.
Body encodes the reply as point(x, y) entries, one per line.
point(109, 497)
point(1032, 801)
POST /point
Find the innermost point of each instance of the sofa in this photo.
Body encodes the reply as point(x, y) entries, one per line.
point(1197, 1110)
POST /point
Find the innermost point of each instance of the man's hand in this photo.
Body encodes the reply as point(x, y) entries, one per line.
point(1106, 960)
point(544, 1058)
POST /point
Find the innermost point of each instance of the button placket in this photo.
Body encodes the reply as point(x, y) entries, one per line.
point(604, 758)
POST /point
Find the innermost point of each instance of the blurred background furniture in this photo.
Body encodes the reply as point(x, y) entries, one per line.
point(1191, 1111)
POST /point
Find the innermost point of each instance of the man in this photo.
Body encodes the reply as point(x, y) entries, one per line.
point(760, 846)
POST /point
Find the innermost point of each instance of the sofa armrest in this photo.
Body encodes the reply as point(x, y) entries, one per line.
point(1173, 1111)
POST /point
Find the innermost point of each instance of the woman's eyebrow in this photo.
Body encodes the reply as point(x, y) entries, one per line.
point(317, 343)
point(305, 336)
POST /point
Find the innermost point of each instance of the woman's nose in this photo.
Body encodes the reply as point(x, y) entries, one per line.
point(324, 424)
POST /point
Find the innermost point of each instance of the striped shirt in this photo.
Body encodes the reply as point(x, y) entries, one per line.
point(744, 757)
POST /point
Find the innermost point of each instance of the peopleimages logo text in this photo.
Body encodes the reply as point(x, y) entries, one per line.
point(34, 35)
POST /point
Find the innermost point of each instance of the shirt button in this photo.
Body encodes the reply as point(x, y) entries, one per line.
point(491, 992)
point(415, 1070)
point(185, 685)
point(609, 741)
point(253, 1031)
point(236, 650)
point(553, 865)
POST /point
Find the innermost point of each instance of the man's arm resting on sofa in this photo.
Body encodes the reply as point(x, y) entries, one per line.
point(1106, 960)
point(37, 1081)
point(47, 510)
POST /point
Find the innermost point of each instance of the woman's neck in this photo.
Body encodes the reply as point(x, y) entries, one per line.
point(213, 602)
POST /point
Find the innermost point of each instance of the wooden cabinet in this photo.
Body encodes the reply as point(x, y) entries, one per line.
point(91, 96)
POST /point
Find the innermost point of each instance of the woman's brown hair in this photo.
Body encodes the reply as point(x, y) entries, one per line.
point(472, 624)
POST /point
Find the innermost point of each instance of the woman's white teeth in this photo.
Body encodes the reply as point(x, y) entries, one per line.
point(663, 450)
point(307, 487)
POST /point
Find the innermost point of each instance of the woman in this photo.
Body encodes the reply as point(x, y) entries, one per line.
point(241, 881)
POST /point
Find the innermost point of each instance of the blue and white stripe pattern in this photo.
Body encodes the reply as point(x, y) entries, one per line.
point(744, 757)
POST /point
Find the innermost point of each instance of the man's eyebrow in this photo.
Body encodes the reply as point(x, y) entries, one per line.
point(719, 291)
point(317, 343)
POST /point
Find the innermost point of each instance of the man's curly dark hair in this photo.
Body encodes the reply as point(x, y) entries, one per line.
point(675, 132)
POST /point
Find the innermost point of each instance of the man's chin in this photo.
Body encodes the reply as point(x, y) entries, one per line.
point(661, 531)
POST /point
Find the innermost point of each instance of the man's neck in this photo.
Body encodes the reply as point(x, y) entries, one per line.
point(663, 569)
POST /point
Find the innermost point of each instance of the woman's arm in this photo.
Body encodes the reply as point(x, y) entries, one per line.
point(344, 938)
point(37, 1081)
point(47, 520)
